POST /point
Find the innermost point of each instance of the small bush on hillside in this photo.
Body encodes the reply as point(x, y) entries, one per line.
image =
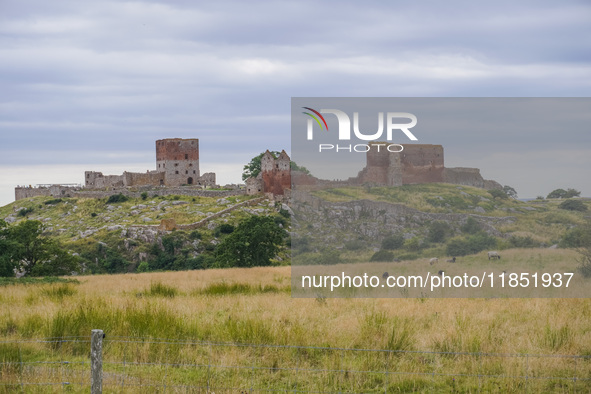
point(573, 205)
point(413, 244)
point(577, 237)
point(53, 201)
point(144, 195)
point(522, 242)
point(356, 244)
point(585, 262)
point(471, 245)
point(329, 257)
point(498, 193)
point(471, 227)
point(438, 231)
point(382, 255)
point(24, 212)
point(393, 242)
point(115, 198)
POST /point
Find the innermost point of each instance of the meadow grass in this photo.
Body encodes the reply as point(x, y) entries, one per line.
point(253, 306)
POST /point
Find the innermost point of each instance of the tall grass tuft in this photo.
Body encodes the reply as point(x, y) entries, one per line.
point(557, 338)
point(223, 288)
point(158, 289)
point(58, 293)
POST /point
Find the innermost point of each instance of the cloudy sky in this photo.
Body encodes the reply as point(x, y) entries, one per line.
point(88, 85)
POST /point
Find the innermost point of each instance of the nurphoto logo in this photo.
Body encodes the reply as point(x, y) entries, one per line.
point(392, 120)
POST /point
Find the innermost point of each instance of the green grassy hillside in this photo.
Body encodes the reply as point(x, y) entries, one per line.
point(117, 236)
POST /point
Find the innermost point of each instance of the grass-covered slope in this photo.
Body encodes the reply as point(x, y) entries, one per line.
point(430, 220)
point(117, 235)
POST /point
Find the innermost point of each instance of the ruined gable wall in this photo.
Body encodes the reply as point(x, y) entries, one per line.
point(275, 173)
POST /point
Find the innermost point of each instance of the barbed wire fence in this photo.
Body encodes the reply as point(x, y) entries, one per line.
point(127, 364)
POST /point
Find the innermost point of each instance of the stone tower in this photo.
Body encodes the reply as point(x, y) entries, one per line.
point(179, 159)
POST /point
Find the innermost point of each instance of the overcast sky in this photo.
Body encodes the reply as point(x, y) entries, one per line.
point(89, 85)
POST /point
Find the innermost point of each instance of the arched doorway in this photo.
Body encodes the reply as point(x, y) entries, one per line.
point(190, 181)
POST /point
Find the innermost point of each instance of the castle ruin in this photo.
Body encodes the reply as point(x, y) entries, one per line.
point(177, 164)
point(415, 164)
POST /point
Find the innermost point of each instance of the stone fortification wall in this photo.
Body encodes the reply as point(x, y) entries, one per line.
point(96, 180)
point(421, 163)
point(79, 192)
point(469, 177)
point(22, 192)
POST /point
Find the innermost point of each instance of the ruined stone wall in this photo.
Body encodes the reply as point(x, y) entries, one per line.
point(46, 191)
point(94, 179)
point(143, 179)
point(275, 173)
point(28, 192)
point(254, 186)
point(179, 159)
point(422, 163)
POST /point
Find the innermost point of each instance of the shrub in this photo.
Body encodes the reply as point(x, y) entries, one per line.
point(382, 255)
point(93, 214)
point(413, 244)
point(470, 245)
point(144, 195)
point(53, 201)
point(498, 193)
point(356, 244)
point(393, 242)
point(284, 213)
point(143, 267)
point(25, 211)
point(471, 227)
point(329, 257)
point(226, 228)
point(115, 198)
point(573, 205)
point(438, 232)
point(522, 242)
point(585, 262)
point(577, 237)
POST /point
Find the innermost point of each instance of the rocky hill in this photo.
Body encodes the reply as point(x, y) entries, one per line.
point(117, 234)
point(425, 220)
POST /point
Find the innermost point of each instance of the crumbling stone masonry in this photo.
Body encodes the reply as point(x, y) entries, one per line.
point(177, 164)
point(416, 164)
point(274, 178)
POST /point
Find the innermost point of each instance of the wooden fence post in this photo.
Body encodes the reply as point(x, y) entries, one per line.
point(96, 362)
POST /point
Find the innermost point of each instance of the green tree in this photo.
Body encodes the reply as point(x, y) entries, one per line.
point(561, 193)
point(7, 265)
point(253, 168)
point(254, 242)
point(498, 193)
point(294, 167)
point(511, 192)
point(35, 254)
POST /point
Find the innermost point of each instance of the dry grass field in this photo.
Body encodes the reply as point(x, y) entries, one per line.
point(253, 306)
